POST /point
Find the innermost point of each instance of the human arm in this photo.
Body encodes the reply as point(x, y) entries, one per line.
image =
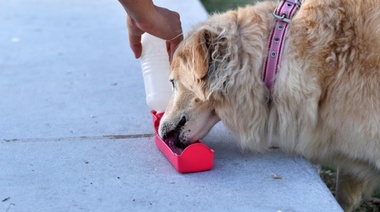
point(143, 16)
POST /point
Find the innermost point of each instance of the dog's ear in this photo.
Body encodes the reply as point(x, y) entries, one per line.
point(201, 53)
point(210, 49)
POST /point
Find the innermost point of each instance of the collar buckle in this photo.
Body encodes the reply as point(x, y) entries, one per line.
point(284, 12)
point(281, 17)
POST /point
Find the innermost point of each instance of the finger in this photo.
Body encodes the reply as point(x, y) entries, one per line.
point(135, 44)
point(168, 49)
point(172, 45)
point(134, 37)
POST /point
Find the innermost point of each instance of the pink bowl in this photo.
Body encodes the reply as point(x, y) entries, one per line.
point(194, 158)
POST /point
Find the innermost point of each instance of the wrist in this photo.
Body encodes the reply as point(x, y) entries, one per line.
point(139, 10)
point(147, 20)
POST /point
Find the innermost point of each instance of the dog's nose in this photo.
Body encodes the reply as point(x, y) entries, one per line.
point(182, 121)
point(166, 132)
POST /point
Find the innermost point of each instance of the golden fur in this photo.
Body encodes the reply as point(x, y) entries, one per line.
point(325, 103)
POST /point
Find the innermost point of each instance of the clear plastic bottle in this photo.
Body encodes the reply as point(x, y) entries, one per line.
point(156, 70)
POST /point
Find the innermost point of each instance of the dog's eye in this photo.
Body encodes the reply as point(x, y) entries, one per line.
point(172, 82)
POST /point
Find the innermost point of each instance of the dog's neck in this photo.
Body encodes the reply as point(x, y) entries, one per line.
point(283, 15)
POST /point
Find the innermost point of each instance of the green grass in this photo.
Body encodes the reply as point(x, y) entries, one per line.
point(224, 5)
point(327, 174)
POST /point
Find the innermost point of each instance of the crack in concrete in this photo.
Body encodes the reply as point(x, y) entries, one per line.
point(112, 137)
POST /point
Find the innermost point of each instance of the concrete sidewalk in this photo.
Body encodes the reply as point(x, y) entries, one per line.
point(76, 135)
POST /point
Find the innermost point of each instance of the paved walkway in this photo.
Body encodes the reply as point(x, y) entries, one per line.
point(76, 135)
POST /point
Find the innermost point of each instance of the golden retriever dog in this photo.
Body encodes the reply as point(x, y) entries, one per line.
point(325, 100)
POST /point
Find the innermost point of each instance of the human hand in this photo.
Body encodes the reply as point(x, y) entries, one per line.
point(160, 22)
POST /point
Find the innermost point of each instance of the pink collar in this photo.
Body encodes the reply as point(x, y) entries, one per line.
point(283, 15)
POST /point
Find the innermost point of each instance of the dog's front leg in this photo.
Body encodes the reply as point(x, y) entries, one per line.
point(348, 190)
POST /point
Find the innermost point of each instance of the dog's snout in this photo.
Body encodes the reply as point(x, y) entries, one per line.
point(167, 131)
point(182, 122)
point(164, 132)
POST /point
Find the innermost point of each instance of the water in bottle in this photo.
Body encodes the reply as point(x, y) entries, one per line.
point(156, 70)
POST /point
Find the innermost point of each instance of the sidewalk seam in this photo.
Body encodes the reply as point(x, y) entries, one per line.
point(112, 137)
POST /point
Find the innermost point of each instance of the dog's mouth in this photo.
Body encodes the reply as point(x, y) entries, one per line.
point(173, 138)
point(173, 141)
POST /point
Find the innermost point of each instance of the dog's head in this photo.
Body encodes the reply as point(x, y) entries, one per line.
point(199, 78)
point(214, 74)
point(191, 112)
